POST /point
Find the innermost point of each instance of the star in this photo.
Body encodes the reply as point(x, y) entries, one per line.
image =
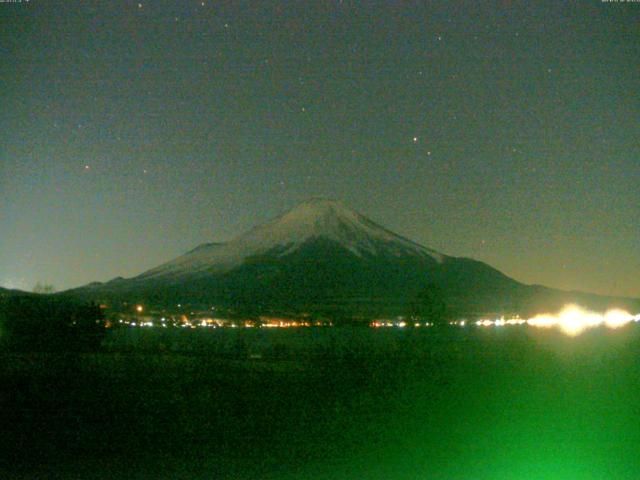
point(415, 139)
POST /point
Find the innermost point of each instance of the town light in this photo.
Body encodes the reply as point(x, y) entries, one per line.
point(573, 320)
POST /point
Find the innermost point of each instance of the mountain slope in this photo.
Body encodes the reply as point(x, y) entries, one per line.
point(6, 292)
point(323, 256)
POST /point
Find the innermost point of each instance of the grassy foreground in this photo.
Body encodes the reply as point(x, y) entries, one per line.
point(451, 405)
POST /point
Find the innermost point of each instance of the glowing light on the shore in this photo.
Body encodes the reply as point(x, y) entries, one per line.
point(573, 320)
point(515, 321)
point(618, 318)
point(485, 323)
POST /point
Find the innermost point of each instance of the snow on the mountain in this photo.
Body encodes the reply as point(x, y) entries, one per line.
point(315, 219)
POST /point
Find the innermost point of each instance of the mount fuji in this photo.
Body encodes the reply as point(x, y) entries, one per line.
point(322, 256)
point(309, 222)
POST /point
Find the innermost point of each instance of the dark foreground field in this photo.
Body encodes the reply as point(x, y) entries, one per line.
point(327, 404)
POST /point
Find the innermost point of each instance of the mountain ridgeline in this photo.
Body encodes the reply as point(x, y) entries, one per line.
point(324, 258)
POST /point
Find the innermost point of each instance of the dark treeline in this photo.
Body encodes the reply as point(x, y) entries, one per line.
point(49, 323)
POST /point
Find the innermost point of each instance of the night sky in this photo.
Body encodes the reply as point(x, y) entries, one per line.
point(504, 131)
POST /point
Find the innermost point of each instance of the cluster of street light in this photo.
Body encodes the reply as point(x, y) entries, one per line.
point(571, 320)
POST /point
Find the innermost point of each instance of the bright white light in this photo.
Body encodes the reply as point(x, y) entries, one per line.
point(544, 321)
point(485, 323)
point(515, 321)
point(617, 318)
point(573, 320)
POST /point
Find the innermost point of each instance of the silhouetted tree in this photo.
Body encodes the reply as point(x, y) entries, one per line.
point(50, 323)
point(429, 304)
point(43, 288)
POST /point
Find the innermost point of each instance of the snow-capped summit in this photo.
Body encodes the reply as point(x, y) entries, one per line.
point(329, 220)
point(317, 219)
